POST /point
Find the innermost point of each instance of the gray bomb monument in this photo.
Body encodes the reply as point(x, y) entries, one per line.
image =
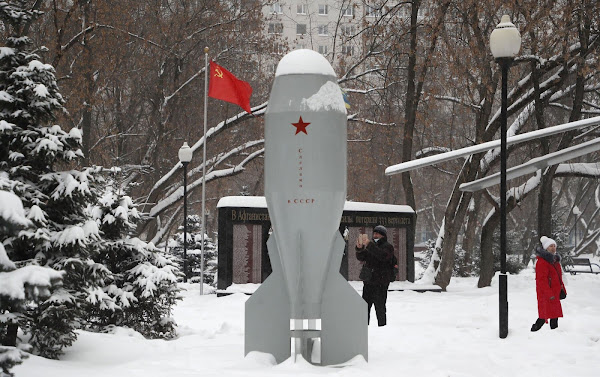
point(306, 307)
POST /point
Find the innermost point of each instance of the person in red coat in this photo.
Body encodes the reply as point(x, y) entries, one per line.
point(548, 284)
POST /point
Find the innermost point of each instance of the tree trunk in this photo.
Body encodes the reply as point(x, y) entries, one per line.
point(410, 106)
point(486, 266)
point(545, 207)
point(544, 212)
point(453, 221)
point(10, 338)
point(470, 233)
point(88, 93)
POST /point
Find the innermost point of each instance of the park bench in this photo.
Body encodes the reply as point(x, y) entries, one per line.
point(581, 262)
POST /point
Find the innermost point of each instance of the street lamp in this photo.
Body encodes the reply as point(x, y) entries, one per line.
point(505, 43)
point(185, 156)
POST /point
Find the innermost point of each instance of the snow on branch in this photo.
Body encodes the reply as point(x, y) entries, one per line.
point(583, 169)
point(211, 132)
point(133, 35)
point(354, 66)
point(517, 193)
point(353, 118)
point(370, 90)
point(548, 84)
point(11, 209)
point(222, 157)
point(430, 151)
point(28, 282)
point(514, 128)
point(168, 98)
point(238, 16)
point(178, 194)
point(458, 101)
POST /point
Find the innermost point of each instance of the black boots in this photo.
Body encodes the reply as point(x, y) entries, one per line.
point(538, 324)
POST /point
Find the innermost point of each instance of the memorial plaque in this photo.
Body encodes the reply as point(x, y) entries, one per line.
point(247, 253)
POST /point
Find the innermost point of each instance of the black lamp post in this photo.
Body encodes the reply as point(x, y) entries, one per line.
point(505, 43)
point(185, 156)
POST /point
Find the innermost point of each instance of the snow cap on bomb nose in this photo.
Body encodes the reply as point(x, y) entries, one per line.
point(304, 61)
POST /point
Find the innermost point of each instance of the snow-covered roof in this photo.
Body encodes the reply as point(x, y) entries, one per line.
point(304, 61)
point(243, 201)
point(261, 202)
point(377, 207)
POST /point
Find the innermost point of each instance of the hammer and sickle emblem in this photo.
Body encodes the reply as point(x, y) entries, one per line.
point(218, 73)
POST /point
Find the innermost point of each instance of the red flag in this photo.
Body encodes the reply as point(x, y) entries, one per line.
point(225, 86)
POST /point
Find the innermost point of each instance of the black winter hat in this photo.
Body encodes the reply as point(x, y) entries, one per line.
point(381, 230)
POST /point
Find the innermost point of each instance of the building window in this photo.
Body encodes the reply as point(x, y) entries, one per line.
point(322, 29)
point(348, 30)
point(275, 28)
point(323, 9)
point(300, 29)
point(372, 11)
point(276, 8)
point(301, 9)
point(348, 50)
point(322, 50)
point(349, 11)
point(278, 48)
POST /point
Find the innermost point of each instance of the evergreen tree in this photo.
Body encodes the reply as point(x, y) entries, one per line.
point(142, 287)
point(194, 251)
point(32, 149)
point(18, 285)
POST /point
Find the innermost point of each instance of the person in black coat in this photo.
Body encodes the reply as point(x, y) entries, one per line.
point(378, 256)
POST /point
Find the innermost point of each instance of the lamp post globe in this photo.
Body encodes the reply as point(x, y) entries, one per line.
point(185, 156)
point(505, 40)
point(505, 43)
point(185, 153)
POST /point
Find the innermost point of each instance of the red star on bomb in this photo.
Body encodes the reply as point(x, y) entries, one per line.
point(300, 126)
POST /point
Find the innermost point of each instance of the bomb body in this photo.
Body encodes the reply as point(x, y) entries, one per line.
point(305, 173)
point(305, 297)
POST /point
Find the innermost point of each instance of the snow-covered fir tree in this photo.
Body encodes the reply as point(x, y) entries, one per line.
point(194, 251)
point(245, 191)
point(18, 285)
point(32, 151)
point(142, 285)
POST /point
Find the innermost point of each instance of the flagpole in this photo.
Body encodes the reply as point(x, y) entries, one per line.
point(204, 172)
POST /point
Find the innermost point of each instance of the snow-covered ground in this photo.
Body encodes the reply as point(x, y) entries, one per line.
point(428, 334)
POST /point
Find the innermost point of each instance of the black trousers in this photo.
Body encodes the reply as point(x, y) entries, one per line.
point(376, 294)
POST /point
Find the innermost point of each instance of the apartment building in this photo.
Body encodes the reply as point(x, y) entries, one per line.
point(331, 27)
point(334, 28)
point(314, 25)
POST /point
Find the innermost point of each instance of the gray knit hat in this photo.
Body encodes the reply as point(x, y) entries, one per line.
point(381, 230)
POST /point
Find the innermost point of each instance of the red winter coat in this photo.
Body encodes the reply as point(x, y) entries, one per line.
point(548, 283)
